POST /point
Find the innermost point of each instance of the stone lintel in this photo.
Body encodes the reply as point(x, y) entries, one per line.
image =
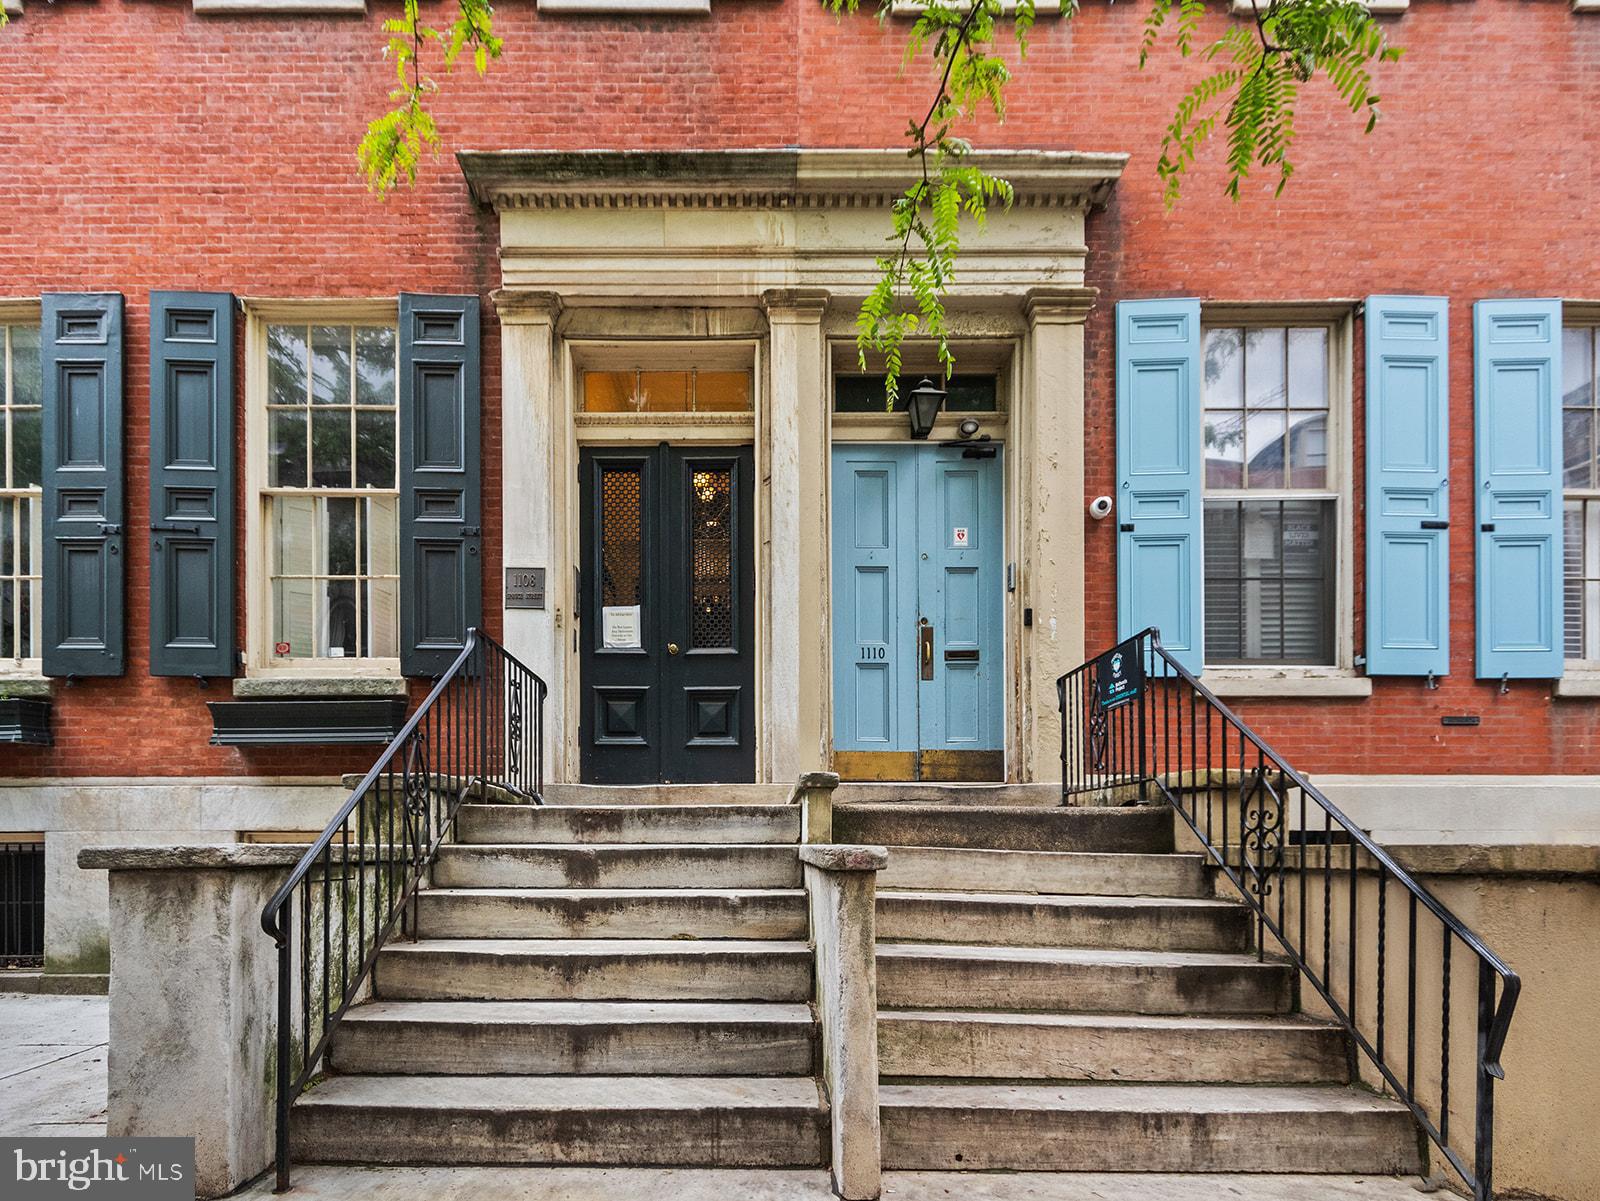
point(227, 856)
point(1059, 306)
point(515, 306)
point(795, 304)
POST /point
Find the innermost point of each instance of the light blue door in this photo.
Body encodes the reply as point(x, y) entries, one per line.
point(918, 590)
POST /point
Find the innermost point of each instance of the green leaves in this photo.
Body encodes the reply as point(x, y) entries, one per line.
point(392, 148)
point(1253, 90)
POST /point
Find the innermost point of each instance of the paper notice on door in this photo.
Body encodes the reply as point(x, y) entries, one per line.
point(619, 627)
point(958, 535)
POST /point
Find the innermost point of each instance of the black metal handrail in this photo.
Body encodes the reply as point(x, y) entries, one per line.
point(479, 732)
point(1148, 726)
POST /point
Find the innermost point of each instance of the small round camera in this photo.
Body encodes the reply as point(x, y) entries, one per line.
point(968, 428)
point(1100, 508)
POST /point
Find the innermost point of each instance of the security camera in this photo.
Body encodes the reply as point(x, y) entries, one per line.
point(1100, 508)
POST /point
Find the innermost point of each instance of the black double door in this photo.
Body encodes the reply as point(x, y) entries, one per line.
point(667, 634)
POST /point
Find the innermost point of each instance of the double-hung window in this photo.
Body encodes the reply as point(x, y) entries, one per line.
point(20, 507)
point(1580, 417)
point(330, 500)
point(1272, 496)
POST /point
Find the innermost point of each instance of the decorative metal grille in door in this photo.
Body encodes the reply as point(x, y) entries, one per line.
point(711, 554)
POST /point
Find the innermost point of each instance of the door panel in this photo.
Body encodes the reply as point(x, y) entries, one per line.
point(670, 532)
point(918, 654)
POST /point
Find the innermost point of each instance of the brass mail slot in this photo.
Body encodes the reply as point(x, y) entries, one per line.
point(966, 656)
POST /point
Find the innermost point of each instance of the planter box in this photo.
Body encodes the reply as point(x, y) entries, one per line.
point(26, 721)
point(306, 722)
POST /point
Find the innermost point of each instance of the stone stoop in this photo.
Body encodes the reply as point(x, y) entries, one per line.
point(1060, 991)
point(624, 980)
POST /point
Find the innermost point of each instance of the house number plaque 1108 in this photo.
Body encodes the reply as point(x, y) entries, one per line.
point(524, 587)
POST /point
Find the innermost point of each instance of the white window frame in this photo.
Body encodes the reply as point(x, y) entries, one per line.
point(24, 312)
point(1589, 322)
point(259, 314)
point(1339, 678)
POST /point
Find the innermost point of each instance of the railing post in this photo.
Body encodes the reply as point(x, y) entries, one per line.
point(285, 1044)
point(1483, 1149)
point(814, 794)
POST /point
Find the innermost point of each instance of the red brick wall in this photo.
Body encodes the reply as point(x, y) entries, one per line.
point(144, 148)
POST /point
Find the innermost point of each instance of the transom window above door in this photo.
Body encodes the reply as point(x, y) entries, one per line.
point(690, 391)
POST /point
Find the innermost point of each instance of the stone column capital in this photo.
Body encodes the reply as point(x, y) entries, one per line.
point(517, 307)
point(799, 305)
point(1059, 306)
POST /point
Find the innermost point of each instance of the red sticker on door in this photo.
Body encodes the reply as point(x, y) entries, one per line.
point(281, 648)
point(958, 536)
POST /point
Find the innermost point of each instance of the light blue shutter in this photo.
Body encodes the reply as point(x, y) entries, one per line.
point(1408, 496)
point(1159, 565)
point(1516, 344)
point(81, 357)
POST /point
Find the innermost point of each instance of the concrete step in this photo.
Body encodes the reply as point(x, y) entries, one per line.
point(1009, 919)
point(718, 1121)
point(953, 869)
point(1066, 979)
point(950, 1044)
point(668, 794)
point(620, 865)
point(1146, 828)
point(611, 913)
point(581, 1038)
point(1151, 1127)
point(873, 792)
point(685, 823)
point(608, 969)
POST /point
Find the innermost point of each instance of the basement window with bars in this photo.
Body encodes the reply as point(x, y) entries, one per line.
point(20, 507)
point(331, 507)
point(1580, 418)
point(1272, 495)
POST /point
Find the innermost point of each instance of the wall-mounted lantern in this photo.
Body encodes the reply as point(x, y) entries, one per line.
point(926, 399)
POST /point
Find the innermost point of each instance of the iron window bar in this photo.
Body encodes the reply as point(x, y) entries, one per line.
point(1278, 839)
point(478, 733)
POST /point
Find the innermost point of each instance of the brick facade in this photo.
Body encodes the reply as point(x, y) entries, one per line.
point(145, 148)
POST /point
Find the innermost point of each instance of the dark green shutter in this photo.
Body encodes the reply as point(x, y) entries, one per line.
point(441, 584)
point(81, 358)
point(191, 484)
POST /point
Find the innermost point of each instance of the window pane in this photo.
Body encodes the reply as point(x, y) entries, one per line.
point(8, 525)
point(621, 545)
point(1224, 450)
point(711, 582)
point(664, 391)
point(25, 379)
point(1224, 369)
point(330, 448)
point(291, 619)
point(1263, 447)
point(1270, 567)
point(1308, 450)
point(339, 619)
point(1308, 368)
point(286, 364)
point(375, 359)
point(330, 364)
point(722, 392)
point(608, 391)
point(1577, 360)
point(339, 536)
point(293, 523)
point(374, 449)
point(1572, 564)
point(286, 456)
point(1578, 439)
point(1263, 368)
point(383, 619)
point(8, 628)
point(383, 535)
point(25, 619)
point(26, 457)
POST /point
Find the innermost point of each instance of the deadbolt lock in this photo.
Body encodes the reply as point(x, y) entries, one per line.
point(672, 648)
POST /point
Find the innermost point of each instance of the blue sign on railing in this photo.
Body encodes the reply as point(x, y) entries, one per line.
point(1119, 674)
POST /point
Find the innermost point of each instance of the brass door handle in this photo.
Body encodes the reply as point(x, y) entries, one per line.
point(672, 648)
point(925, 648)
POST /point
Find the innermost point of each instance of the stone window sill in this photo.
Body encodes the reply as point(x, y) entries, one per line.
point(1578, 685)
point(1378, 8)
point(1285, 684)
point(313, 8)
point(1586, 6)
point(308, 687)
point(25, 687)
point(13, 7)
point(632, 8)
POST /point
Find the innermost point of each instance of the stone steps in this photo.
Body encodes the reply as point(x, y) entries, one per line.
point(1145, 1127)
point(617, 865)
point(681, 823)
point(955, 869)
point(610, 969)
point(611, 913)
point(950, 1044)
point(1147, 829)
point(1010, 919)
point(576, 1038)
point(708, 1121)
point(1067, 979)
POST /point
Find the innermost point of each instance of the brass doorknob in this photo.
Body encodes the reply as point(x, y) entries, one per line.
point(672, 648)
